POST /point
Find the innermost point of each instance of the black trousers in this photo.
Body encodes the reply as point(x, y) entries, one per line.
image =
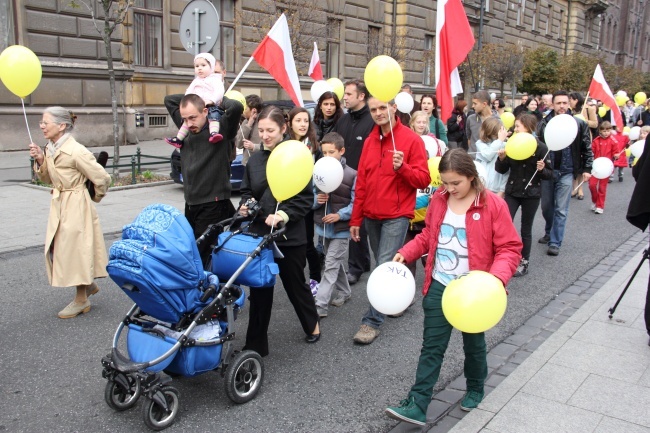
point(261, 301)
point(200, 216)
point(528, 210)
point(359, 254)
point(313, 259)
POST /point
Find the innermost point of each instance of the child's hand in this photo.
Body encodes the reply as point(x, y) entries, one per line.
point(322, 198)
point(616, 156)
point(502, 154)
point(331, 218)
point(540, 165)
point(399, 258)
point(503, 134)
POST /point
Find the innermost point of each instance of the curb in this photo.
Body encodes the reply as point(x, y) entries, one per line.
point(112, 188)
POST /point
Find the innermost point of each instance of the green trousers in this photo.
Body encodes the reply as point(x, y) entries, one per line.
point(437, 331)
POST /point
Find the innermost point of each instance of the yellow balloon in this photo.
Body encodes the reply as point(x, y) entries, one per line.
point(508, 120)
point(628, 152)
point(433, 164)
point(640, 97)
point(20, 70)
point(337, 87)
point(289, 169)
point(621, 100)
point(474, 302)
point(602, 111)
point(521, 146)
point(626, 129)
point(383, 78)
point(237, 96)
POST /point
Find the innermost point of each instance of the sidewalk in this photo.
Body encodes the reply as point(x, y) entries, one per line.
point(569, 368)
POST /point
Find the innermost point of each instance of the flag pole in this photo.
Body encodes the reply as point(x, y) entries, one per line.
point(240, 74)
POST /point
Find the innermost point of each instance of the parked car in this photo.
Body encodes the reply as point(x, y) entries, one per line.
point(236, 168)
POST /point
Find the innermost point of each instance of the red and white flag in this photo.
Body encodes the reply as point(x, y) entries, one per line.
point(599, 89)
point(454, 41)
point(315, 70)
point(275, 55)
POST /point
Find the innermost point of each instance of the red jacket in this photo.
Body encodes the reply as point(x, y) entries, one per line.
point(381, 192)
point(604, 147)
point(623, 143)
point(493, 244)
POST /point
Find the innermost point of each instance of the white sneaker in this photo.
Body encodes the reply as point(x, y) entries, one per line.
point(598, 210)
point(593, 208)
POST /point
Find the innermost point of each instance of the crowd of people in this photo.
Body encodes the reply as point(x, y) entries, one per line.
point(386, 203)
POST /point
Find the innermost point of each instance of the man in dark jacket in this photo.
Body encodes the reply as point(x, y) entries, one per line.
point(354, 127)
point(568, 163)
point(638, 211)
point(205, 166)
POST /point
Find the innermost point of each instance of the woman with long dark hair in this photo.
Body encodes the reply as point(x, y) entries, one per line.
point(328, 112)
point(456, 126)
point(255, 185)
point(429, 104)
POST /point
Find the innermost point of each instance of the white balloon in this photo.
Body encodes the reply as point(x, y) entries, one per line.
point(404, 102)
point(637, 148)
point(318, 88)
point(328, 174)
point(621, 93)
point(430, 145)
point(493, 96)
point(602, 168)
point(391, 288)
point(560, 132)
point(635, 131)
point(482, 172)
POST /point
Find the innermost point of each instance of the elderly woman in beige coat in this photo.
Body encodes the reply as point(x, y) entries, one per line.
point(75, 253)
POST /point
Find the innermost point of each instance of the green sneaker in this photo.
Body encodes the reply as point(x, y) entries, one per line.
point(407, 411)
point(471, 400)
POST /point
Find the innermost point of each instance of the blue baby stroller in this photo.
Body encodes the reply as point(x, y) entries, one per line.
point(182, 322)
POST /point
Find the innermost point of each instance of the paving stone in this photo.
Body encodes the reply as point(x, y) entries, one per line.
point(533, 344)
point(578, 303)
point(574, 289)
point(555, 382)
point(544, 334)
point(507, 368)
point(528, 330)
point(458, 383)
point(561, 319)
point(601, 281)
point(436, 410)
point(588, 278)
point(444, 425)
point(504, 350)
point(609, 273)
point(494, 361)
point(567, 296)
point(450, 396)
point(537, 321)
point(580, 283)
point(517, 339)
point(520, 357)
point(553, 326)
point(494, 380)
point(596, 272)
point(550, 312)
point(457, 412)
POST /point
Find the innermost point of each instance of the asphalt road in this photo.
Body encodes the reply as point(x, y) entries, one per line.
point(50, 375)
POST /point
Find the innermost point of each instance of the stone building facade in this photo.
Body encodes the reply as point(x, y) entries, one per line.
point(150, 61)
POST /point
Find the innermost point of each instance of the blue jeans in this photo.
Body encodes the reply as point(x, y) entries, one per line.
point(385, 237)
point(556, 195)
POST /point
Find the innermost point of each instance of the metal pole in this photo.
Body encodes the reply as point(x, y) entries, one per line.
point(480, 43)
point(133, 170)
point(197, 16)
point(137, 153)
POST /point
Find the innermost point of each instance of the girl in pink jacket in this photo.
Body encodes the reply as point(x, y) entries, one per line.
point(467, 228)
point(209, 86)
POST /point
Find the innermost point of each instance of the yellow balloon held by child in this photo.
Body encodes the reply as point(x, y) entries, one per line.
point(20, 70)
point(433, 164)
point(474, 302)
point(521, 146)
point(383, 78)
point(289, 169)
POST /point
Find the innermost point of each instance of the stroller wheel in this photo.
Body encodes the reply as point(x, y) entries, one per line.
point(161, 409)
point(123, 393)
point(244, 376)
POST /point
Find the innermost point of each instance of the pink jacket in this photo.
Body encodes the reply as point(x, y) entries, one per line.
point(210, 89)
point(493, 244)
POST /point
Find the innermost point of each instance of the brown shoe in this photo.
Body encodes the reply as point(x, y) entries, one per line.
point(74, 309)
point(366, 335)
point(92, 289)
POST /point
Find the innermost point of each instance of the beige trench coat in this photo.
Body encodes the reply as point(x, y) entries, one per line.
point(73, 232)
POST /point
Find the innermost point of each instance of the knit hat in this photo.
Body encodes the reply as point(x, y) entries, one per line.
point(209, 57)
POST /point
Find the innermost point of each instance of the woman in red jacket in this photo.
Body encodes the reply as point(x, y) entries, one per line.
point(467, 228)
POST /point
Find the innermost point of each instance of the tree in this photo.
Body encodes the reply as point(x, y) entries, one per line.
point(498, 64)
point(397, 44)
point(540, 72)
point(576, 70)
point(624, 78)
point(114, 14)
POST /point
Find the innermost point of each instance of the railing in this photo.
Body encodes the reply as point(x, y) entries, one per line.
point(135, 164)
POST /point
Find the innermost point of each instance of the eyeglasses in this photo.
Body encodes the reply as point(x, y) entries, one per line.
point(448, 260)
point(448, 232)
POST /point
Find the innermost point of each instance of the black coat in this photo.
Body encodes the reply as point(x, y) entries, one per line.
point(355, 126)
point(522, 171)
point(638, 211)
point(581, 153)
point(455, 132)
point(255, 185)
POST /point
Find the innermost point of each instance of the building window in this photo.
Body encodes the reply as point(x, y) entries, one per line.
point(7, 31)
point(374, 42)
point(147, 26)
point(559, 28)
point(534, 23)
point(487, 5)
point(521, 12)
point(549, 20)
point(224, 50)
point(427, 73)
point(333, 50)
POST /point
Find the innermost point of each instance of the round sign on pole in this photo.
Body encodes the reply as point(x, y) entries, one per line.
point(199, 27)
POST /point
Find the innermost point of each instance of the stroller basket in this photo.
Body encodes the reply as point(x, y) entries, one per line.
point(143, 345)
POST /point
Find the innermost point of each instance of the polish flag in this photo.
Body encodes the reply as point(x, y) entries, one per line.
point(599, 89)
point(315, 70)
point(454, 41)
point(275, 55)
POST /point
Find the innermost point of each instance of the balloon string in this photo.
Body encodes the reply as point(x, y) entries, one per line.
point(26, 124)
point(390, 123)
point(276, 211)
point(244, 138)
point(579, 185)
point(531, 179)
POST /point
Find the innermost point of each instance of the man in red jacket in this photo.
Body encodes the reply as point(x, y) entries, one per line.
point(393, 166)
